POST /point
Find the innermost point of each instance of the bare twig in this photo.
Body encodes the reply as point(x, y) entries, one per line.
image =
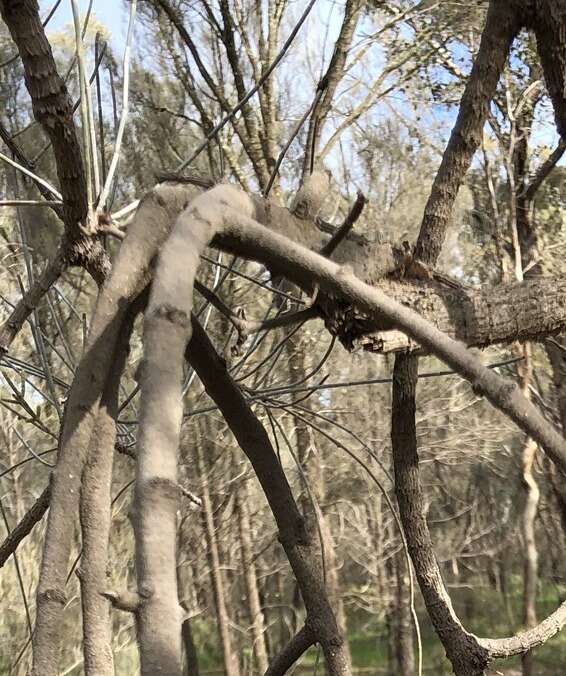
point(349, 222)
point(25, 526)
point(124, 114)
point(30, 299)
point(272, 66)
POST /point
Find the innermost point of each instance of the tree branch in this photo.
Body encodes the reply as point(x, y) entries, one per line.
point(51, 105)
point(30, 300)
point(129, 276)
point(32, 517)
point(291, 653)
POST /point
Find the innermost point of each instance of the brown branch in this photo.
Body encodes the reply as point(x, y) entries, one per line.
point(299, 538)
point(502, 25)
point(468, 655)
point(343, 231)
point(52, 106)
point(291, 653)
point(330, 81)
point(32, 517)
point(30, 300)
point(461, 647)
point(548, 20)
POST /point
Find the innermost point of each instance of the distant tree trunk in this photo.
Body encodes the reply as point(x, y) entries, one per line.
point(231, 664)
point(256, 616)
point(190, 649)
point(404, 648)
point(310, 458)
point(531, 554)
point(185, 587)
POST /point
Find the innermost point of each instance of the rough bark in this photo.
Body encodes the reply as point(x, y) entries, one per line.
point(503, 22)
point(556, 354)
point(548, 20)
point(52, 105)
point(477, 317)
point(52, 108)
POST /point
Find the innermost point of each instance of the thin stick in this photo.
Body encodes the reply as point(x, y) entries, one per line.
point(85, 119)
point(342, 232)
point(294, 132)
point(33, 176)
point(30, 203)
point(253, 90)
point(124, 114)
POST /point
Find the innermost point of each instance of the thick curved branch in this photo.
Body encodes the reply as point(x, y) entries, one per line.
point(244, 236)
point(96, 514)
point(129, 275)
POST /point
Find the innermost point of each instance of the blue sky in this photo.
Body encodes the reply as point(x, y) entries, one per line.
point(112, 13)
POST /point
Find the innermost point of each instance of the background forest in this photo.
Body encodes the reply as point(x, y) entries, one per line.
point(394, 74)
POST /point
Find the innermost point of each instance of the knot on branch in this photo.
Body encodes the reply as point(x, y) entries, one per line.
point(173, 315)
point(311, 196)
point(52, 595)
point(126, 600)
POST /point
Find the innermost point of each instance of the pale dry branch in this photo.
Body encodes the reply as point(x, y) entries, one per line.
point(124, 114)
point(128, 278)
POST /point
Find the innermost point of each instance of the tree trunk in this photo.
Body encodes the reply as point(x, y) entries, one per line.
point(256, 617)
point(310, 459)
point(231, 664)
point(404, 648)
point(531, 554)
